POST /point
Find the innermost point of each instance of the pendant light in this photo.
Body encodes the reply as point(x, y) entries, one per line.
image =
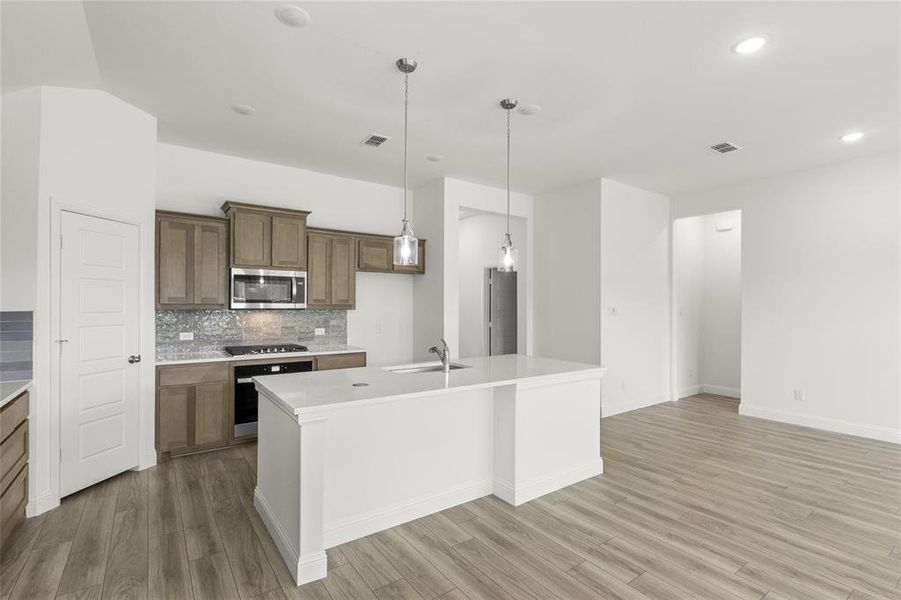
point(406, 246)
point(506, 255)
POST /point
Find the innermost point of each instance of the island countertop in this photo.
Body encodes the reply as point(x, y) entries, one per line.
point(313, 392)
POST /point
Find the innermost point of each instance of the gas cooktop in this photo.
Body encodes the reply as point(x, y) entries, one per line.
point(273, 349)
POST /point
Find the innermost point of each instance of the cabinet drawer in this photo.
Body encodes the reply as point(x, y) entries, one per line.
point(193, 374)
point(340, 361)
point(12, 504)
point(13, 451)
point(13, 414)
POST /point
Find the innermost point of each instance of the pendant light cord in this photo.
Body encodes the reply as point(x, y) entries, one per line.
point(406, 101)
point(508, 172)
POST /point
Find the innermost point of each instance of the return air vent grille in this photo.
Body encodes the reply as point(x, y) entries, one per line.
point(375, 140)
point(725, 147)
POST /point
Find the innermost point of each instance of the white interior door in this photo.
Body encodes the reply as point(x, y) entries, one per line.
point(99, 319)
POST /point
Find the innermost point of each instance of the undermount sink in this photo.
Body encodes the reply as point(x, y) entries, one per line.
point(426, 368)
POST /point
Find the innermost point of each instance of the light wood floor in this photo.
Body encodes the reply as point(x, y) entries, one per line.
point(696, 503)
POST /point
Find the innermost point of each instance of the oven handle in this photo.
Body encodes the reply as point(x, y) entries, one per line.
point(245, 380)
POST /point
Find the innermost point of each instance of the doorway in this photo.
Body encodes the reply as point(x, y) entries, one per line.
point(98, 345)
point(707, 305)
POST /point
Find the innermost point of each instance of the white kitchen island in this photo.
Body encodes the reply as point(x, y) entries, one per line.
point(346, 453)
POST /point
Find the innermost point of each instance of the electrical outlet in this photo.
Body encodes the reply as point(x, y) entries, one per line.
point(612, 311)
point(319, 331)
point(186, 336)
point(799, 395)
point(378, 327)
point(691, 373)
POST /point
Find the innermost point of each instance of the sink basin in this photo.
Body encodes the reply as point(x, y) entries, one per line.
point(425, 368)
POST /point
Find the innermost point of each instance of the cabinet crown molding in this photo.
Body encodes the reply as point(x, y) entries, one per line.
point(230, 205)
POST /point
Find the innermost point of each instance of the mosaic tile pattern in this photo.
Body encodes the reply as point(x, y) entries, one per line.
point(215, 329)
point(16, 335)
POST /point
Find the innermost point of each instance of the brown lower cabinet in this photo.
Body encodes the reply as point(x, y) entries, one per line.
point(13, 465)
point(193, 408)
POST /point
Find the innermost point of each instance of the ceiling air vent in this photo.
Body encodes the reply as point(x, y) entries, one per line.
point(375, 140)
point(725, 147)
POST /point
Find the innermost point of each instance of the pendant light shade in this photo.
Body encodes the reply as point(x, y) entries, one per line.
point(406, 246)
point(506, 255)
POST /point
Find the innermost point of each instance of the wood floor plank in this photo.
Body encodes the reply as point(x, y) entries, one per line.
point(201, 532)
point(126, 571)
point(168, 572)
point(344, 583)
point(397, 590)
point(42, 572)
point(428, 581)
point(212, 578)
point(374, 568)
point(164, 512)
point(14, 553)
point(87, 560)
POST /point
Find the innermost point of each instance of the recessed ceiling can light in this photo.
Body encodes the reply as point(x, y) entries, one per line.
point(435, 157)
point(529, 109)
point(854, 136)
point(292, 16)
point(751, 45)
point(244, 109)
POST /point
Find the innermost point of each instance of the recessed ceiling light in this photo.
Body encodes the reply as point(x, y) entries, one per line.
point(750, 45)
point(854, 136)
point(293, 16)
point(244, 109)
point(435, 157)
point(529, 109)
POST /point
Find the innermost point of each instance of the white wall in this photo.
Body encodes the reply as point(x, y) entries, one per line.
point(20, 130)
point(197, 181)
point(96, 154)
point(707, 288)
point(437, 295)
point(635, 282)
point(567, 253)
point(480, 236)
point(821, 301)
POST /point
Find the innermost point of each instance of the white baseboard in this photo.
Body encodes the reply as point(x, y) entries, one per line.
point(875, 432)
point(535, 489)
point(610, 409)
point(41, 504)
point(307, 568)
point(357, 527)
point(720, 390)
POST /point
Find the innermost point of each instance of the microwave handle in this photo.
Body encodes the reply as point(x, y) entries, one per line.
point(294, 289)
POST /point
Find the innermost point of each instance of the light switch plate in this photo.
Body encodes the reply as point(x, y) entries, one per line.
point(319, 331)
point(186, 336)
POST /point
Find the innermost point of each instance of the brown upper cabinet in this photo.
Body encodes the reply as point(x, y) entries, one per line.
point(267, 237)
point(331, 270)
point(191, 261)
point(375, 253)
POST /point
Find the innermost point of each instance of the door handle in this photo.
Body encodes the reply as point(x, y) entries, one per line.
point(134, 358)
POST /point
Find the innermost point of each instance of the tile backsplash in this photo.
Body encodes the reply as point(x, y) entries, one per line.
point(215, 329)
point(16, 335)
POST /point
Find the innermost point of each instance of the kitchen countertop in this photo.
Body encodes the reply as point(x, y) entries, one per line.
point(313, 392)
point(11, 389)
point(221, 356)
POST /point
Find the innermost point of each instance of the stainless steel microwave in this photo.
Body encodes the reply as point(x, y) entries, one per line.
point(268, 288)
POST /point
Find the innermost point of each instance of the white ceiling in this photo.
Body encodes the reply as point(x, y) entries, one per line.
point(629, 90)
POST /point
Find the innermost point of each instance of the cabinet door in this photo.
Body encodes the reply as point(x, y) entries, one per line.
point(172, 417)
point(375, 254)
point(251, 239)
point(318, 279)
point(210, 414)
point(289, 249)
point(419, 267)
point(175, 262)
point(210, 264)
point(343, 271)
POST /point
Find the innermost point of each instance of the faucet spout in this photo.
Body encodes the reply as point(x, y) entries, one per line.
point(443, 354)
